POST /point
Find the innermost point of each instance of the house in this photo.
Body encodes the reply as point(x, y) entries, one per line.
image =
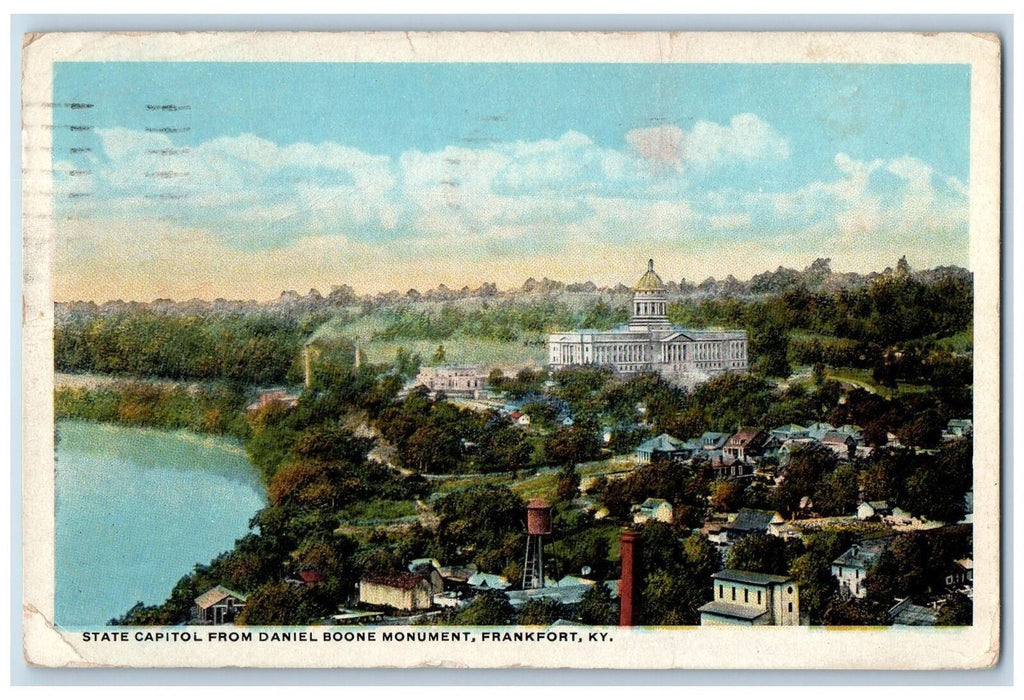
point(962, 574)
point(958, 427)
point(873, 509)
point(789, 432)
point(907, 614)
point(842, 444)
point(751, 598)
point(430, 569)
point(854, 431)
point(790, 446)
point(753, 522)
point(663, 446)
point(816, 431)
point(218, 606)
point(400, 590)
point(745, 444)
point(483, 582)
point(652, 509)
point(725, 466)
point(519, 418)
point(310, 576)
point(852, 566)
point(416, 564)
point(713, 441)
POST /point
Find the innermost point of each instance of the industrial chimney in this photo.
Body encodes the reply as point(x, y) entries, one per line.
point(538, 524)
point(629, 594)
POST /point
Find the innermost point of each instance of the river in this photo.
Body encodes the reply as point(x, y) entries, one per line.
point(137, 509)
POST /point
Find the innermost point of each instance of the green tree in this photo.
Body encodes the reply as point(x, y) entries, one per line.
point(283, 604)
point(812, 570)
point(766, 554)
point(958, 611)
point(596, 607)
point(568, 483)
point(541, 611)
point(837, 492)
point(487, 609)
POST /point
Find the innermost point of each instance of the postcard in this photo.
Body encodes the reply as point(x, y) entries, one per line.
point(487, 350)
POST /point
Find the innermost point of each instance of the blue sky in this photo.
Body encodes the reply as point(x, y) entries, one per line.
point(408, 175)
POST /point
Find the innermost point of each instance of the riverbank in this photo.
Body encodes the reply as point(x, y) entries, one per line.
point(137, 508)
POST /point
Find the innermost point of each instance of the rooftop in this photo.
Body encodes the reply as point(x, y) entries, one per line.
point(395, 579)
point(749, 520)
point(650, 282)
point(740, 612)
point(862, 555)
point(215, 595)
point(661, 443)
point(753, 577)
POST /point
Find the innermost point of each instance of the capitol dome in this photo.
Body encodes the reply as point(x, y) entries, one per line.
point(650, 282)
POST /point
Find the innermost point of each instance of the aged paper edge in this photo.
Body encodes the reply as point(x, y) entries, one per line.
point(794, 648)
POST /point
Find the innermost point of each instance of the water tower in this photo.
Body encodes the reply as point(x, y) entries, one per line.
point(538, 524)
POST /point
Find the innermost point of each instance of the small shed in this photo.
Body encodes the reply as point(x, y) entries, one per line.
point(218, 606)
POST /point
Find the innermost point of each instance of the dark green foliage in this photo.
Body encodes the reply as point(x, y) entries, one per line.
point(284, 604)
point(571, 445)
point(568, 483)
point(836, 494)
point(504, 321)
point(917, 563)
point(487, 609)
point(930, 486)
point(855, 612)
point(597, 607)
point(765, 554)
point(213, 410)
point(685, 487)
point(812, 570)
point(542, 612)
point(958, 611)
point(676, 576)
point(433, 437)
point(482, 524)
point(807, 467)
point(252, 348)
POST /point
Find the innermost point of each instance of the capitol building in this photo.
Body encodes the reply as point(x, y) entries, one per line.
point(649, 343)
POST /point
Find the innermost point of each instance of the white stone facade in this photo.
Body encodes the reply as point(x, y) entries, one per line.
point(649, 343)
point(469, 382)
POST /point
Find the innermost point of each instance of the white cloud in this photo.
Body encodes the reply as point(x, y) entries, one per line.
point(746, 138)
point(513, 196)
point(659, 145)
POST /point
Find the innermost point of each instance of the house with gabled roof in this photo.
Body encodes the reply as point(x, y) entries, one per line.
point(873, 509)
point(816, 431)
point(663, 446)
point(958, 427)
point(750, 598)
point(400, 590)
point(842, 444)
point(218, 606)
point(852, 566)
point(652, 509)
point(712, 441)
point(749, 521)
point(745, 444)
point(789, 432)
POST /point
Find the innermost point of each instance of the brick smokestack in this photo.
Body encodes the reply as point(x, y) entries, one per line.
point(629, 593)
